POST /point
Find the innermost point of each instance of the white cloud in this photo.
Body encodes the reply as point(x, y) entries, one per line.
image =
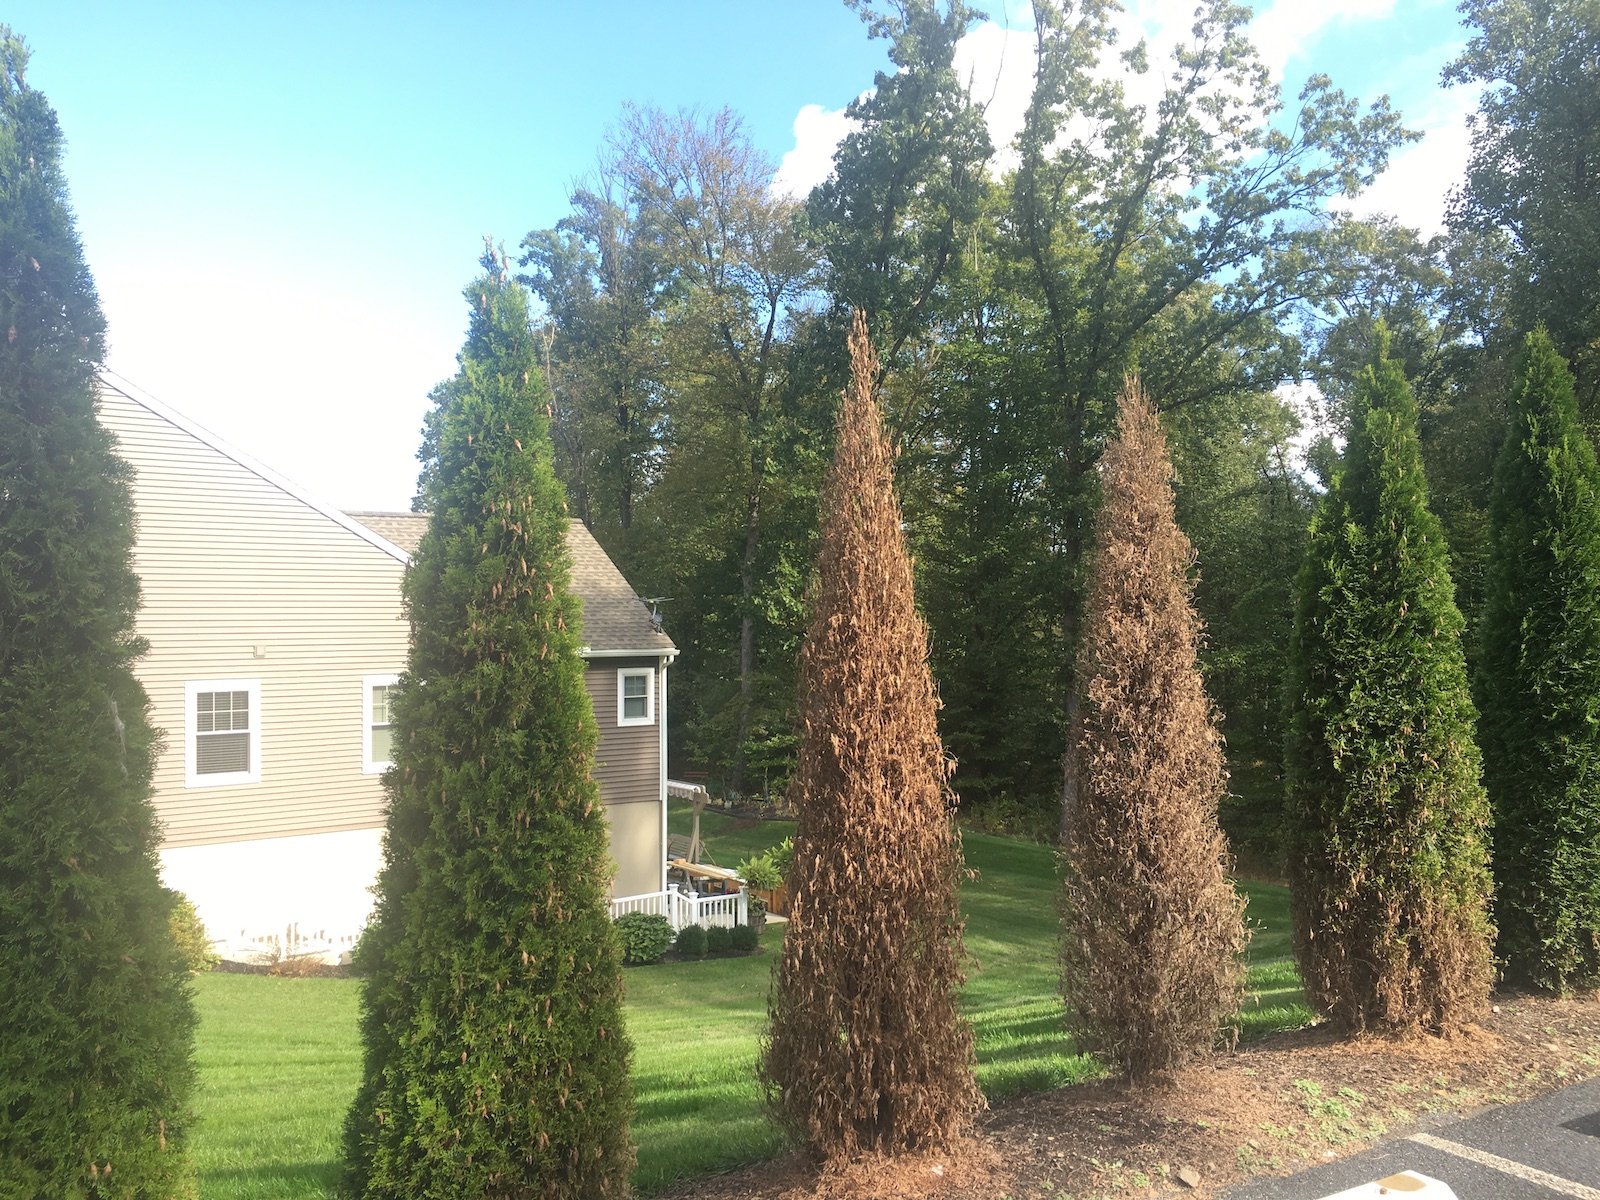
point(817, 134)
point(995, 63)
point(1415, 188)
point(997, 66)
point(1284, 29)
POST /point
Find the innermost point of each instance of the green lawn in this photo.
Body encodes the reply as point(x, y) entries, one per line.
point(279, 1057)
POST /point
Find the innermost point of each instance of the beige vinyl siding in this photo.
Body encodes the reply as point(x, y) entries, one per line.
point(635, 831)
point(628, 766)
point(242, 580)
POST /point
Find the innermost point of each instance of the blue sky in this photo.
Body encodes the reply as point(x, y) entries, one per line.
point(282, 202)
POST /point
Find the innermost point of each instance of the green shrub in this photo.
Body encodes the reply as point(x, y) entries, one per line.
point(782, 857)
point(358, 960)
point(719, 940)
point(190, 934)
point(691, 942)
point(745, 938)
point(645, 937)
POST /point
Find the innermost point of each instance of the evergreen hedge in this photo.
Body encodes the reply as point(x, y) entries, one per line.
point(1538, 682)
point(495, 1056)
point(96, 1021)
point(1386, 814)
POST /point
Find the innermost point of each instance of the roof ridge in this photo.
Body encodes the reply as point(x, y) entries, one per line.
point(131, 391)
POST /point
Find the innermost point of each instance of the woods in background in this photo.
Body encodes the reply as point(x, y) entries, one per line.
point(1171, 217)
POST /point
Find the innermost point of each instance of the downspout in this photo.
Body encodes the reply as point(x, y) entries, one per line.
point(661, 856)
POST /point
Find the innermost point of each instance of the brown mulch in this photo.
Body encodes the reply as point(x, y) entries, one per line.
point(1278, 1105)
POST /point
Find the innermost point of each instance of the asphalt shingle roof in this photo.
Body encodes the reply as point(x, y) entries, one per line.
point(614, 617)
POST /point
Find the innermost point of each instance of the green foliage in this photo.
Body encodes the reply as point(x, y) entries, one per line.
point(692, 942)
point(908, 179)
point(761, 873)
point(1245, 509)
point(1532, 187)
point(1386, 815)
point(645, 937)
point(96, 1020)
point(782, 856)
point(745, 939)
point(1538, 683)
point(495, 1057)
point(768, 870)
point(719, 939)
point(190, 936)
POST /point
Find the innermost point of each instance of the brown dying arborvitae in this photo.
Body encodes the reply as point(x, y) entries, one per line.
point(867, 1053)
point(1152, 924)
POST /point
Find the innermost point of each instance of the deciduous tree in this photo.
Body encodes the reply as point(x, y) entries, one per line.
point(1533, 182)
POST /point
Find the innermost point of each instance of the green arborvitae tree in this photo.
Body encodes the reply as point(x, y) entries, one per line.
point(1152, 924)
point(867, 1052)
point(96, 1020)
point(1538, 682)
point(496, 1063)
point(1386, 815)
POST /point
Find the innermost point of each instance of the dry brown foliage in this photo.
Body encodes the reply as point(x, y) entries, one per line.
point(867, 1053)
point(1287, 1102)
point(1152, 924)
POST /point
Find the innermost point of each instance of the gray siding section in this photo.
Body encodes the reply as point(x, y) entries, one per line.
point(628, 766)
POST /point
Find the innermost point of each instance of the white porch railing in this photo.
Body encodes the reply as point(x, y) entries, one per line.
point(687, 908)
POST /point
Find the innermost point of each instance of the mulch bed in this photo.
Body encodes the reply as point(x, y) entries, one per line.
point(1284, 1103)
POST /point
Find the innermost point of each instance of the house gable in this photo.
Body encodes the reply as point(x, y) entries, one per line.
point(270, 616)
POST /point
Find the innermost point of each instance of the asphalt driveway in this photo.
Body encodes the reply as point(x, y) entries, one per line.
point(1544, 1149)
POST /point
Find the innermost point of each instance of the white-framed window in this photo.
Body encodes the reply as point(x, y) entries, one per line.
point(222, 726)
point(377, 722)
point(636, 696)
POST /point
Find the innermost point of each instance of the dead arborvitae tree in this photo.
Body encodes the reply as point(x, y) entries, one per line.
point(1152, 924)
point(867, 1052)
